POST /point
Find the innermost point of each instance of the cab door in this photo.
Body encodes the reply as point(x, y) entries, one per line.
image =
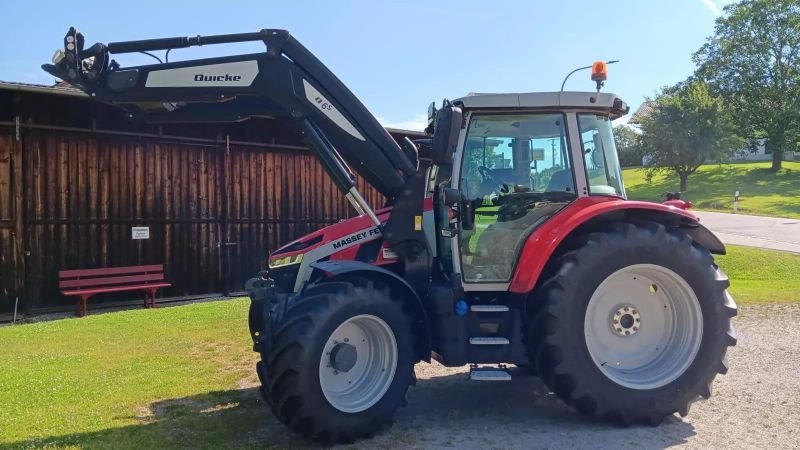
point(514, 171)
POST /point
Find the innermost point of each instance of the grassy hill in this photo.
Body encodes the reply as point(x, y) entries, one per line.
point(711, 188)
point(759, 276)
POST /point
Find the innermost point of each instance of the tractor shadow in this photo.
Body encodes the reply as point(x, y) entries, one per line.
point(452, 411)
point(445, 410)
point(221, 419)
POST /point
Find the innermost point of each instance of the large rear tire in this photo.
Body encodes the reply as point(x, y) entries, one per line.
point(635, 324)
point(341, 360)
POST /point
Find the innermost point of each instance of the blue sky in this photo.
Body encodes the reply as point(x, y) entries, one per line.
point(398, 56)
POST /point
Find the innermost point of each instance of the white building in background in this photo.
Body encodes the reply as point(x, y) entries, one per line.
point(757, 154)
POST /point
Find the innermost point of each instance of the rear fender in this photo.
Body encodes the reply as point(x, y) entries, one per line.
point(341, 269)
point(589, 212)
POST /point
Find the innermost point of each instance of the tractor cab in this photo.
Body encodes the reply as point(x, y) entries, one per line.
point(519, 159)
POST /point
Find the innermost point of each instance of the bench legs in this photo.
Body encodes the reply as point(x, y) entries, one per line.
point(81, 304)
point(150, 298)
point(81, 307)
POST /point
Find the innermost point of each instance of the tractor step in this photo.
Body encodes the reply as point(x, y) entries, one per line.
point(486, 340)
point(489, 308)
point(489, 374)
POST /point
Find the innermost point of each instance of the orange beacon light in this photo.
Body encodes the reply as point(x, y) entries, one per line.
point(599, 71)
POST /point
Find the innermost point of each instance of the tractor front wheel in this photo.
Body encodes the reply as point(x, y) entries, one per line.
point(635, 325)
point(341, 360)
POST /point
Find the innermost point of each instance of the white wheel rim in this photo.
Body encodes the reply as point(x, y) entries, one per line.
point(643, 326)
point(365, 383)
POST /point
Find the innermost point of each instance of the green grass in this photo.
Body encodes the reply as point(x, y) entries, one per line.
point(711, 188)
point(184, 376)
point(171, 377)
point(761, 276)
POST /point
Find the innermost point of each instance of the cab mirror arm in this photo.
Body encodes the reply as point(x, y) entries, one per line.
point(467, 213)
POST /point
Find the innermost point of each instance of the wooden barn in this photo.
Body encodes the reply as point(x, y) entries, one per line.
point(77, 177)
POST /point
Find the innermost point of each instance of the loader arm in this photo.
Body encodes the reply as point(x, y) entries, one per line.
point(286, 80)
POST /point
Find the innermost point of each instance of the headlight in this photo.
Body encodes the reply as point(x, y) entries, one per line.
point(274, 263)
point(58, 56)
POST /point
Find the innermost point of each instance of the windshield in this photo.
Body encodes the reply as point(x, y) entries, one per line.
point(600, 155)
point(516, 153)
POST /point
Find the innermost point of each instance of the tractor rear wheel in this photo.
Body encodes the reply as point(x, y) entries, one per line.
point(341, 360)
point(635, 324)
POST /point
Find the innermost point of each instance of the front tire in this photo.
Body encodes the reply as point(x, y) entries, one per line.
point(635, 324)
point(341, 360)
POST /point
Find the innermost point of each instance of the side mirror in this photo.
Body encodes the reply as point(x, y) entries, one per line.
point(451, 196)
point(445, 135)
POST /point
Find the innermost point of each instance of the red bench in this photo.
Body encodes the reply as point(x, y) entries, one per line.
point(84, 283)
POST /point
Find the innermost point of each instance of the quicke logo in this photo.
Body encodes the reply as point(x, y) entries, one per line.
point(226, 77)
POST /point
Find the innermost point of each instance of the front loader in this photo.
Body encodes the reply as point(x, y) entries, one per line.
point(516, 246)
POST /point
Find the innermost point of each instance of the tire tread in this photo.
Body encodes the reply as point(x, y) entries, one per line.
point(284, 364)
point(547, 335)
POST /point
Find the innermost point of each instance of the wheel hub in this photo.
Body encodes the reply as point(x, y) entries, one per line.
point(628, 351)
point(343, 357)
point(358, 363)
point(626, 320)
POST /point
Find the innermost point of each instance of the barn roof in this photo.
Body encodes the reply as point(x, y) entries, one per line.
point(644, 111)
point(63, 88)
point(57, 89)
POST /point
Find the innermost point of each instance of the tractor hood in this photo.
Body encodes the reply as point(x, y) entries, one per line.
point(338, 236)
point(291, 265)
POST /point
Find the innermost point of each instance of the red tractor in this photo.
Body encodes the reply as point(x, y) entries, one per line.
point(516, 246)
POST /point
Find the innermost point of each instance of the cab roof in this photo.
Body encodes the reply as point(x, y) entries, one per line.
point(561, 100)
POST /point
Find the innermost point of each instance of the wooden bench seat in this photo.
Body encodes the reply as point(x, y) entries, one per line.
point(84, 283)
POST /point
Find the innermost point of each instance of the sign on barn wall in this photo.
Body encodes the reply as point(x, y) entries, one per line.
point(140, 232)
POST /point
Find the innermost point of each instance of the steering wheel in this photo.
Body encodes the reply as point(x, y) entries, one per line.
point(490, 183)
point(486, 173)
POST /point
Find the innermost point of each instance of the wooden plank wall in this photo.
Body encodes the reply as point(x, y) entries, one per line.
point(9, 251)
point(275, 198)
point(213, 214)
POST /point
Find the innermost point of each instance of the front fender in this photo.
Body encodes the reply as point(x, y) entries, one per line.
point(542, 244)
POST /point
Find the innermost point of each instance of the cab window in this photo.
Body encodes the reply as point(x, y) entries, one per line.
point(600, 154)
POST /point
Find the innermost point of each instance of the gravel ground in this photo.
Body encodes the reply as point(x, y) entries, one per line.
point(755, 406)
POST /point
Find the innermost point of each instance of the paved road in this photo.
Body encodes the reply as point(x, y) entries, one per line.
point(754, 231)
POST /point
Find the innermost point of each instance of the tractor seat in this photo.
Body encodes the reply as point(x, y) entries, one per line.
point(561, 181)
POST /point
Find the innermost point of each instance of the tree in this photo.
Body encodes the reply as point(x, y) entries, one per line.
point(628, 148)
point(687, 128)
point(753, 61)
